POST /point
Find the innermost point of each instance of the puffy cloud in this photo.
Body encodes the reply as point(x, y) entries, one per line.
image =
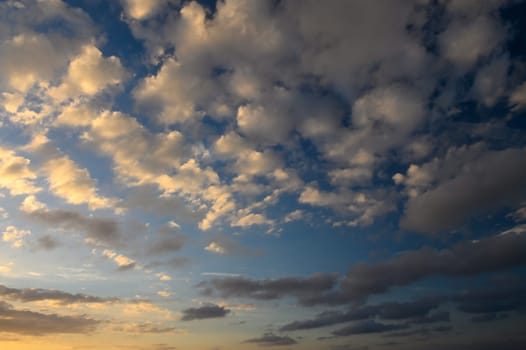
point(14, 236)
point(142, 9)
point(204, 312)
point(215, 248)
point(294, 215)
point(33, 53)
point(16, 174)
point(124, 262)
point(518, 97)
point(74, 184)
point(88, 74)
point(31, 204)
point(252, 219)
point(464, 43)
point(224, 245)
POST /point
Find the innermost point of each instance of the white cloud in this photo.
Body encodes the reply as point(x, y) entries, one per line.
point(88, 74)
point(122, 261)
point(14, 236)
point(251, 219)
point(74, 184)
point(294, 215)
point(215, 248)
point(16, 174)
point(31, 204)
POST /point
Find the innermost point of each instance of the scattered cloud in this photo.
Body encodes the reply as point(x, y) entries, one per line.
point(204, 312)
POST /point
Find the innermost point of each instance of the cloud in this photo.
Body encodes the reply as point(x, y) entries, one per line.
point(204, 312)
point(464, 43)
point(16, 174)
point(37, 294)
point(414, 310)
point(88, 74)
point(142, 9)
point(104, 230)
point(14, 236)
point(500, 182)
point(367, 327)
point(124, 262)
point(303, 288)
point(47, 242)
point(485, 255)
point(69, 181)
point(33, 53)
point(270, 339)
point(34, 323)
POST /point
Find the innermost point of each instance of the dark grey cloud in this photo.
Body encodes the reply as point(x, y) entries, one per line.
point(36, 294)
point(492, 180)
point(466, 258)
point(47, 242)
point(302, 288)
point(369, 326)
point(462, 259)
point(488, 317)
point(204, 312)
point(147, 198)
point(417, 310)
point(270, 339)
point(421, 332)
point(35, 323)
point(432, 318)
point(503, 298)
point(167, 245)
point(105, 230)
point(175, 262)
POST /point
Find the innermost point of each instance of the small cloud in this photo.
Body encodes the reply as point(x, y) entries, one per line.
point(122, 261)
point(270, 339)
point(204, 312)
point(164, 277)
point(215, 248)
point(294, 216)
point(14, 236)
point(164, 293)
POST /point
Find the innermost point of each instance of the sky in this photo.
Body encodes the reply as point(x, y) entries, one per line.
point(250, 174)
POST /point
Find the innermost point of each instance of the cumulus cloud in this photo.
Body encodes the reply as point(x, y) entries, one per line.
point(16, 174)
point(464, 43)
point(204, 312)
point(13, 236)
point(88, 74)
point(122, 261)
point(74, 184)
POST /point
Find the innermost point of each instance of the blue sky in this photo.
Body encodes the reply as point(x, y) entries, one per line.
point(242, 174)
